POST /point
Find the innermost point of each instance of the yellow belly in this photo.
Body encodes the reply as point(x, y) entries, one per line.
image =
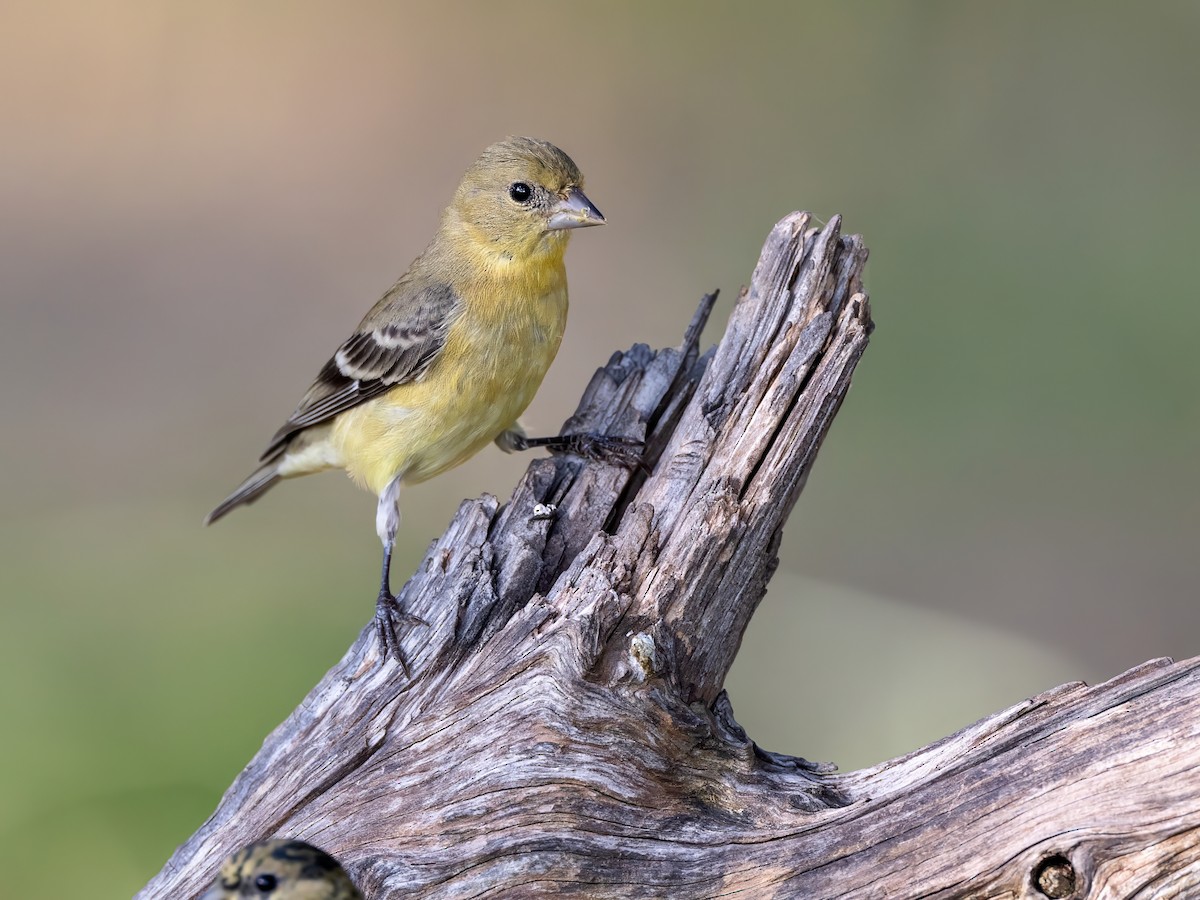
point(486, 375)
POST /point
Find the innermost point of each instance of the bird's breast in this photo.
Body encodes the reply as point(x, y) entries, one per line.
point(491, 366)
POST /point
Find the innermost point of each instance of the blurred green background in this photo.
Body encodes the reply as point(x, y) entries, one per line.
point(201, 199)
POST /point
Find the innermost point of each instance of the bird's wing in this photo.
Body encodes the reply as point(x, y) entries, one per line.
point(396, 342)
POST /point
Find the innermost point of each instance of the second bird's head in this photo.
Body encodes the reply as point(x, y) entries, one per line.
point(523, 197)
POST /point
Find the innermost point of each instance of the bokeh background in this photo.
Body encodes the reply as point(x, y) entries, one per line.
point(200, 199)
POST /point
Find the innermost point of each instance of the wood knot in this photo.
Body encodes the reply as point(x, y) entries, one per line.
point(1055, 877)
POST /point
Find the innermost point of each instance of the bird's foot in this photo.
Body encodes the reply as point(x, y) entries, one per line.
point(621, 451)
point(390, 616)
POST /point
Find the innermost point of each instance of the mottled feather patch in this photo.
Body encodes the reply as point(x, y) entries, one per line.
point(282, 870)
point(312, 861)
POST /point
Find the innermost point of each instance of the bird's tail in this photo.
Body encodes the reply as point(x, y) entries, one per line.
point(248, 491)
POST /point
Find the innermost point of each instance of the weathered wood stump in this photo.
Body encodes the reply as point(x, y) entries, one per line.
point(566, 732)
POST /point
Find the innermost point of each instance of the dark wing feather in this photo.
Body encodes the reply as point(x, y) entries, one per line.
point(395, 343)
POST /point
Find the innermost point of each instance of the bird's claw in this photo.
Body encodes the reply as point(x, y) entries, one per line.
point(621, 451)
point(390, 615)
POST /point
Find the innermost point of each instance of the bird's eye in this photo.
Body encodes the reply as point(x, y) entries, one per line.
point(520, 192)
point(266, 883)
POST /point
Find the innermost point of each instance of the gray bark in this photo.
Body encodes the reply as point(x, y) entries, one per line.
point(565, 731)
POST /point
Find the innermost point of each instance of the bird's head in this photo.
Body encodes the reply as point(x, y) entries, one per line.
point(282, 870)
point(522, 198)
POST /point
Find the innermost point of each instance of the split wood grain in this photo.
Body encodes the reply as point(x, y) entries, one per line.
point(566, 733)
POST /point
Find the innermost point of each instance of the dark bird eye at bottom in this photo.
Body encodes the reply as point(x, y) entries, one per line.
point(266, 883)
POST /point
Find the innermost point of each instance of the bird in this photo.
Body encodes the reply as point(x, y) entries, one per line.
point(282, 870)
point(452, 354)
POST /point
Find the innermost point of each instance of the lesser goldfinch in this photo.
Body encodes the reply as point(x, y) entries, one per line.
point(453, 353)
point(282, 870)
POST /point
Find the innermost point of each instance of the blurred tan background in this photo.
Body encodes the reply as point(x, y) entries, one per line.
point(201, 199)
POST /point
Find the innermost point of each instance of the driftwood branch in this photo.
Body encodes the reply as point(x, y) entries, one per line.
point(566, 732)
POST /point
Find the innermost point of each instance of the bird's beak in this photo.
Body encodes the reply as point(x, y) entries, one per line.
point(574, 211)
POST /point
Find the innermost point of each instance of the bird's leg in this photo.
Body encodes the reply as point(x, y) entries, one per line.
point(389, 612)
point(385, 587)
point(622, 451)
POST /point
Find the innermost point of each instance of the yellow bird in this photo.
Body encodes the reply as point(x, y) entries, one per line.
point(282, 870)
point(453, 353)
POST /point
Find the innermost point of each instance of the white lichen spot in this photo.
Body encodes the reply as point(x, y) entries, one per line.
point(643, 656)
